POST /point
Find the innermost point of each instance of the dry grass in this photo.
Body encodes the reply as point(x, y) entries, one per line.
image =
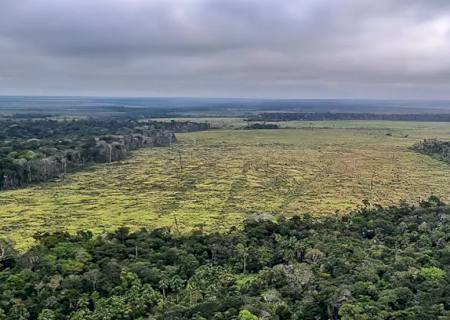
point(214, 179)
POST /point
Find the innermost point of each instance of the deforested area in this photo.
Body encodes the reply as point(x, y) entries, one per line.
point(224, 160)
point(38, 150)
point(217, 178)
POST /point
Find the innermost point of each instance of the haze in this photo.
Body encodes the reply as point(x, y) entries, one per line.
point(226, 48)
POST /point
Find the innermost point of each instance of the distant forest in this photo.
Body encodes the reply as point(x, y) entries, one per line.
point(256, 126)
point(375, 264)
point(172, 107)
point(321, 116)
point(38, 150)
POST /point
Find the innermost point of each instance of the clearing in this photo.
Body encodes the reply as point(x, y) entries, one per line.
point(214, 179)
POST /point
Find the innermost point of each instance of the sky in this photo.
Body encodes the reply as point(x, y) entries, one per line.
point(380, 49)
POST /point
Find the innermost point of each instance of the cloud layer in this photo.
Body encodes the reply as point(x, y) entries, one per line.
point(253, 48)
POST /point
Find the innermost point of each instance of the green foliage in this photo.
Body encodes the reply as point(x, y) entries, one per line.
point(39, 150)
point(374, 264)
point(352, 312)
point(433, 147)
point(247, 315)
point(47, 314)
point(432, 273)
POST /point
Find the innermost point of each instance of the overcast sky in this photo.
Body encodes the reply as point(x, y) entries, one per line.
point(226, 48)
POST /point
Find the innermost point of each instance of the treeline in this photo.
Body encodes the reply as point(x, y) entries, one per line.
point(435, 148)
point(38, 150)
point(377, 263)
point(321, 116)
point(258, 125)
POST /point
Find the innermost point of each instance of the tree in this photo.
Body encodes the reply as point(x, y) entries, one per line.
point(352, 312)
point(432, 273)
point(47, 314)
point(243, 252)
point(247, 315)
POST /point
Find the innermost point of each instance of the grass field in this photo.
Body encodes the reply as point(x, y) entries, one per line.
point(215, 179)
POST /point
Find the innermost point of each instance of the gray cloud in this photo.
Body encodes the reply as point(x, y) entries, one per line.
point(257, 48)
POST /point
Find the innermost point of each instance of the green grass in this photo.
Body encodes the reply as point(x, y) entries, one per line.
point(215, 179)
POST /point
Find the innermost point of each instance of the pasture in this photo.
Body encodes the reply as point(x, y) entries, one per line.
point(214, 179)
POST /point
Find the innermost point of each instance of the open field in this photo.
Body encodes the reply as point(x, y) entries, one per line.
point(417, 129)
point(215, 179)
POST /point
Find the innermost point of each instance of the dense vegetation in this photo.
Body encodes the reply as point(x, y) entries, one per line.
point(257, 125)
point(435, 148)
point(376, 263)
point(38, 150)
point(322, 116)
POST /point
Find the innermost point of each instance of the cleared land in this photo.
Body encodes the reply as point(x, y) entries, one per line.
point(215, 179)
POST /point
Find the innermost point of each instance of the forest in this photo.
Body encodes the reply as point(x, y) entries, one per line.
point(258, 126)
point(205, 229)
point(376, 263)
point(224, 160)
point(38, 150)
point(323, 116)
point(435, 148)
